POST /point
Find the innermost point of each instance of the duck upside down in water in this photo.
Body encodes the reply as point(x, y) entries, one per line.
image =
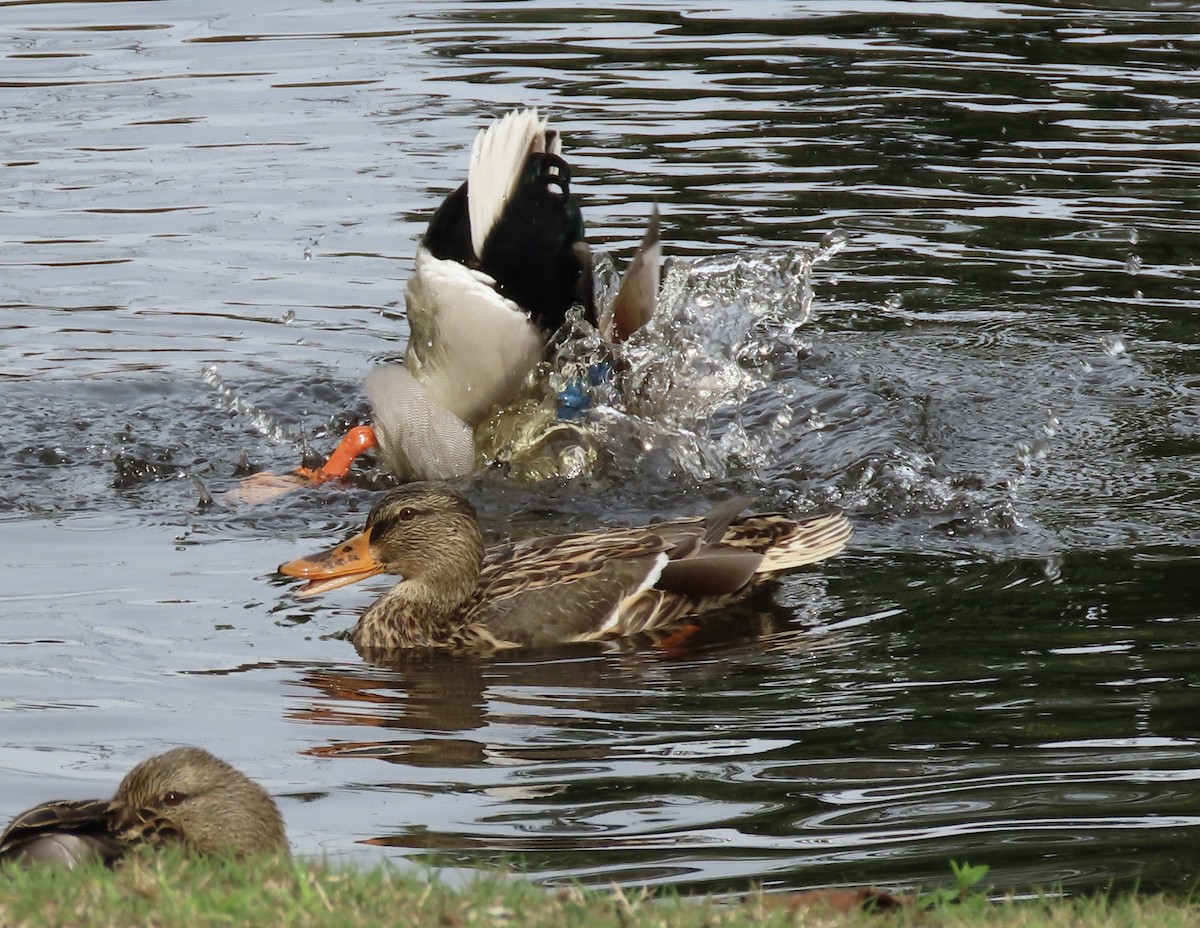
point(587, 586)
point(185, 797)
point(503, 261)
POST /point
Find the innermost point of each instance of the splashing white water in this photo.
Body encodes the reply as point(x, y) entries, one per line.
point(673, 399)
point(262, 421)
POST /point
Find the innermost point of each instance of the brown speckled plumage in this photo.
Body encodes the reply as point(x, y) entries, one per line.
point(544, 591)
point(185, 796)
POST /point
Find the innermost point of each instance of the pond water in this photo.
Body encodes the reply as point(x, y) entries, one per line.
point(209, 212)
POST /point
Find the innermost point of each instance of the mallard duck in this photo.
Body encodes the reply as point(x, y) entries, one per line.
point(503, 261)
point(186, 797)
point(539, 592)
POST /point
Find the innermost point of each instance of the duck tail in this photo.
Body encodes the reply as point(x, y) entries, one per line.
point(810, 540)
point(497, 158)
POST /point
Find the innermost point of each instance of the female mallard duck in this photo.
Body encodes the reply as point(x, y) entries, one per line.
point(544, 591)
point(185, 797)
point(502, 262)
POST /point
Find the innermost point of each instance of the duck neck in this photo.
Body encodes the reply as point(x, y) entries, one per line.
point(426, 609)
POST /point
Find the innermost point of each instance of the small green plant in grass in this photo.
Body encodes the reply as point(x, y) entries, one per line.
point(967, 888)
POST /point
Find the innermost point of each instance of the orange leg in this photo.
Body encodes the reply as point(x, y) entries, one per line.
point(677, 641)
point(359, 439)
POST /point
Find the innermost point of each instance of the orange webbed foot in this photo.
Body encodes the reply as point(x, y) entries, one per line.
point(358, 440)
point(264, 487)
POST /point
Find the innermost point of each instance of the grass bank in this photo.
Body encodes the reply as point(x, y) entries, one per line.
point(171, 891)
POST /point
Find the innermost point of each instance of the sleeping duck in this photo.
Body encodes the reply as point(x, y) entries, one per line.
point(185, 798)
point(503, 261)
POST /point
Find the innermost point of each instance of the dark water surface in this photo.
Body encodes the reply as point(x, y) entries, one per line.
point(209, 210)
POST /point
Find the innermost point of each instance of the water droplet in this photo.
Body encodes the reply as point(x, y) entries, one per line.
point(288, 317)
point(1133, 264)
point(308, 252)
point(893, 302)
point(572, 462)
point(1113, 344)
point(831, 244)
point(1131, 236)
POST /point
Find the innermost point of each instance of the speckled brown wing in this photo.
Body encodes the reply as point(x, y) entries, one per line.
point(563, 559)
point(595, 585)
point(64, 831)
point(547, 591)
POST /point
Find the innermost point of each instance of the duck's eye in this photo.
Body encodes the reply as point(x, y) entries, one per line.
point(407, 514)
point(173, 798)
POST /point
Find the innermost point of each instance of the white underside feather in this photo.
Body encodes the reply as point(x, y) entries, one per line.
point(418, 438)
point(469, 347)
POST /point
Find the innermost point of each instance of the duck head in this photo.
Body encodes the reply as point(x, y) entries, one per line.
point(191, 797)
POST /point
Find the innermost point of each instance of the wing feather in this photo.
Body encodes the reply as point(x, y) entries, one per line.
point(470, 347)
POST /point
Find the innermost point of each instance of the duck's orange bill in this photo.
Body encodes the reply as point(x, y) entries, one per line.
point(341, 565)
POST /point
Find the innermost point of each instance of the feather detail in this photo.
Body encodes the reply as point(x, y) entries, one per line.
point(808, 542)
point(615, 622)
point(497, 158)
point(416, 436)
point(469, 346)
point(634, 304)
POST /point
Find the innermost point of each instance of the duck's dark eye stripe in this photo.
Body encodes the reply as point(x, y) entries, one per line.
point(384, 526)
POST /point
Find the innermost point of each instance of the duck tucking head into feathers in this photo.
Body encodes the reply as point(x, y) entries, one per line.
point(185, 797)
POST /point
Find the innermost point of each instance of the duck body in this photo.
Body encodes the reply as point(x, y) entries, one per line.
point(532, 243)
point(587, 586)
point(497, 273)
point(500, 267)
point(185, 797)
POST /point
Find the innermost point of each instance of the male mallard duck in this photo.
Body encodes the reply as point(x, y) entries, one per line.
point(502, 262)
point(185, 796)
point(586, 586)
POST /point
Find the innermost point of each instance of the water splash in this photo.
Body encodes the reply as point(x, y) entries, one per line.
point(695, 393)
point(265, 423)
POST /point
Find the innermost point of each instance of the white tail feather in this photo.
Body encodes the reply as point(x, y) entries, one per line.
point(497, 157)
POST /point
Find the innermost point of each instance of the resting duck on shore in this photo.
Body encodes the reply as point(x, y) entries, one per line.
point(185, 797)
point(587, 586)
point(501, 264)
